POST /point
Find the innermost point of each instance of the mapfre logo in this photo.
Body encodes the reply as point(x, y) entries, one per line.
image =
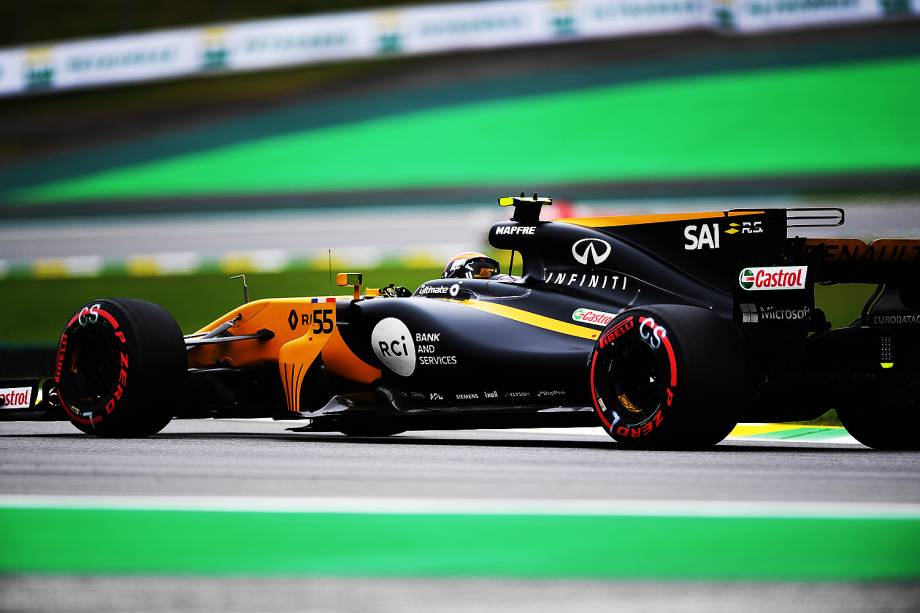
point(591, 251)
point(773, 278)
point(392, 344)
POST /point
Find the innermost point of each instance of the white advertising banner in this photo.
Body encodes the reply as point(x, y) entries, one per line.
point(601, 18)
point(477, 25)
point(285, 42)
point(275, 43)
point(760, 15)
point(11, 71)
point(124, 58)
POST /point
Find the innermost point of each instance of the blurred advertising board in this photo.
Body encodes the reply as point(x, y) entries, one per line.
point(286, 42)
point(11, 71)
point(607, 18)
point(120, 59)
point(761, 15)
point(411, 30)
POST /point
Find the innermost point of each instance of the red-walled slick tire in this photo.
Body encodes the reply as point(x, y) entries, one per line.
point(120, 368)
point(667, 376)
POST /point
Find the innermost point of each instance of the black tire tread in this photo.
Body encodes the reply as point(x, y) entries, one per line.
point(159, 365)
point(712, 362)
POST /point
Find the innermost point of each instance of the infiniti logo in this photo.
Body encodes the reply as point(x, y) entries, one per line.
point(593, 250)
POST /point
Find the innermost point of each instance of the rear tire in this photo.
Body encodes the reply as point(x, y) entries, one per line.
point(667, 377)
point(884, 418)
point(120, 368)
point(874, 375)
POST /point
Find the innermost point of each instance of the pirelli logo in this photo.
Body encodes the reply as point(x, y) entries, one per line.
point(617, 331)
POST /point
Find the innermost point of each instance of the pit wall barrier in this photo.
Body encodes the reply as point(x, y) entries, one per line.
point(415, 30)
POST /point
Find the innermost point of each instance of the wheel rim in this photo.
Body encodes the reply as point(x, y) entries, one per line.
point(634, 379)
point(633, 376)
point(92, 367)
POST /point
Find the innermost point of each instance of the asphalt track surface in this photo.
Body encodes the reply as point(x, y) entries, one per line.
point(256, 458)
point(365, 236)
point(261, 460)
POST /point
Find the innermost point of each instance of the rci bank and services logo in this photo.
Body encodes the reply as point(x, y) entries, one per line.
point(392, 344)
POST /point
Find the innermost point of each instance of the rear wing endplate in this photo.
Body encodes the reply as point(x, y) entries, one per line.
point(817, 217)
point(807, 217)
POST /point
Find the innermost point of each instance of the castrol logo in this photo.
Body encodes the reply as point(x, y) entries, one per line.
point(773, 278)
point(15, 397)
point(590, 316)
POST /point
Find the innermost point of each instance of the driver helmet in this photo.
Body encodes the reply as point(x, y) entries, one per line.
point(470, 265)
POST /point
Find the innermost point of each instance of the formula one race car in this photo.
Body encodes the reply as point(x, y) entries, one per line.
point(666, 330)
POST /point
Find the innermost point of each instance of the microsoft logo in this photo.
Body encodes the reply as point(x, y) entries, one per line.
point(749, 314)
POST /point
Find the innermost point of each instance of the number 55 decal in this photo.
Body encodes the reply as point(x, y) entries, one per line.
point(322, 321)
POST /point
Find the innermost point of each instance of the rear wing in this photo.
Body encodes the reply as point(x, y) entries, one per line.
point(892, 261)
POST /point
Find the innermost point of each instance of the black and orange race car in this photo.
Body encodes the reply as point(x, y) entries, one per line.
point(665, 330)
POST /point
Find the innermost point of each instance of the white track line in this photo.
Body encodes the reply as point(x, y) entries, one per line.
point(354, 505)
point(843, 439)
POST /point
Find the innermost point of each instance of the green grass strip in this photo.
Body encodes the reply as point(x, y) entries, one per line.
point(120, 542)
point(789, 122)
point(33, 311)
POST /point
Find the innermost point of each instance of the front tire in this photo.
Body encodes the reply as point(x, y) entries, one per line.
point(120, 368)
point(667, 376)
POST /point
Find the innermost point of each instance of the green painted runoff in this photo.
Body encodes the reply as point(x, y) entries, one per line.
point(130, 542)
point(858, 117)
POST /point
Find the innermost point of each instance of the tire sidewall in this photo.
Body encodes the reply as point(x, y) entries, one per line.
point(146, 373)
point(614, 410)
point(104, 320)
